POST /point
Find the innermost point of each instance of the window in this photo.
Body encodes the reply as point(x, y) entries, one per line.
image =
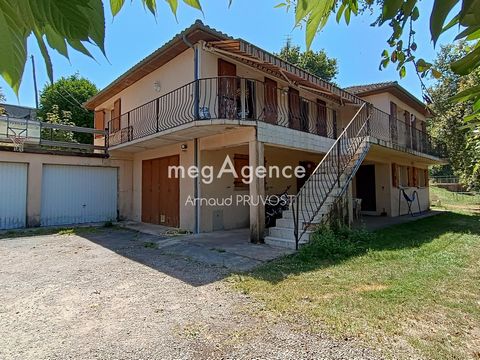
point(240, 161)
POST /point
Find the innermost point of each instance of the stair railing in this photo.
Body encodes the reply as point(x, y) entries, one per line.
point(327, 175)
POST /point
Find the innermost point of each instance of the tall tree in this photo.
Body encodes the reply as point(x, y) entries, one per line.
point(317, 63)
point(463, 143)
point(68, 94)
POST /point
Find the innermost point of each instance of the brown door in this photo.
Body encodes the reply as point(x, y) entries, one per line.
point(294, 116)
point(321, 118)
point(160, 193)
point(414, 133)
point(115, 115)
point(271, 101)
point(408, 129)
point(393, 122)
point(227, 88)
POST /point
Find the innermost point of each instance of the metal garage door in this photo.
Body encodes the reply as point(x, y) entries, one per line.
point(13, 195)
point(78, 194)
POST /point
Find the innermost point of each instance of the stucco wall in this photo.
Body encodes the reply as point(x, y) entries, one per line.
point(35, 164)
point(175, 73)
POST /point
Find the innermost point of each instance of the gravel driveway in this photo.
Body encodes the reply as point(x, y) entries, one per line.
point(105, 295)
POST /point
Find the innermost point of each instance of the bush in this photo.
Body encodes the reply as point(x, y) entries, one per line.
point(336, 244)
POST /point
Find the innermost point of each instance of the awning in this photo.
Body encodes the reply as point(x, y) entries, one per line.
point(269, 63)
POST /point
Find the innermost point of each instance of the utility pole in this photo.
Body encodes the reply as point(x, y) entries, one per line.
point(34, 82)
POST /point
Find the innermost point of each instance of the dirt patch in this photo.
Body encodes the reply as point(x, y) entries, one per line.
point(105, 295)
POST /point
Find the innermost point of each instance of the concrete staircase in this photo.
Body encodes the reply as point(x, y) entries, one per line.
point(283, 234)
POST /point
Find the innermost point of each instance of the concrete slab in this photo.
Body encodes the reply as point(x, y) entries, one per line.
point(373, 223)
point(230, 249)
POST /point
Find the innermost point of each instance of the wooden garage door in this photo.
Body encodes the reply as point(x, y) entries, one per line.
point(13, 195)
point(160, 194)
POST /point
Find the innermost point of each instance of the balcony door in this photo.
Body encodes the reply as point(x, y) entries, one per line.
point(227, 90)
point(321, 118)
point(294, 114)
point(271, 101)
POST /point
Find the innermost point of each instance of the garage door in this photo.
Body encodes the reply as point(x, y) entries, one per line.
point(13, 195)
point(78, 194)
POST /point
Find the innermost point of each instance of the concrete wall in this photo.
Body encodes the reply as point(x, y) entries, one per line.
point(35, 164)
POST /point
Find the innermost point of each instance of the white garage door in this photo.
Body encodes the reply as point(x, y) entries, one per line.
point(78, 194)
point(13, 195)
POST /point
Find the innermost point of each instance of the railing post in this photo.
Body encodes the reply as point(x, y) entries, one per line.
point(296, 221)
point(242, 98)
point(157, 110)
point(128, 127)
point(196, 99)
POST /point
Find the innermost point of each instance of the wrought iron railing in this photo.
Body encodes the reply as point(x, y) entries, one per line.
point(400, 134)
point(230, 98)
point(332, 172)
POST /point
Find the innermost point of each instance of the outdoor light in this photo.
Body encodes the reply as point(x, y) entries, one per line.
point(184, 147)
point(157, 86)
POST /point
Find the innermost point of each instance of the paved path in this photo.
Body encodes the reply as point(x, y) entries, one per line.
point(111, 294)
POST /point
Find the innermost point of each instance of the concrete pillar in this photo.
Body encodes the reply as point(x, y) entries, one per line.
point(34, 193)
point(257, 192)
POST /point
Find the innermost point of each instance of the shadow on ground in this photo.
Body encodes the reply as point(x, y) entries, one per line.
point(315, 255)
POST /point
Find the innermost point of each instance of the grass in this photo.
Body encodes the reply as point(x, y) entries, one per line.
point(410, 290)
point(11, 234)
point(444, 199)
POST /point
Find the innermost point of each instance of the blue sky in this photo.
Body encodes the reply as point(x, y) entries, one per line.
point(134, 34)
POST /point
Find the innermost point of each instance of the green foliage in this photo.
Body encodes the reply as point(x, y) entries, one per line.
point(336, 244)
point(317, 63)
point(56, 25)
point(60, 118)
point(463, 143)
point(68, 94)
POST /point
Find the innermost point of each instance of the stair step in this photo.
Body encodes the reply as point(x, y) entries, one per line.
point(287, 233)
point(282, 243)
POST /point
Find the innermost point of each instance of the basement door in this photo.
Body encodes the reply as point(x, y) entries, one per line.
point(160, 193)
point(13, 195)
point(366, 187)
point(78, 194)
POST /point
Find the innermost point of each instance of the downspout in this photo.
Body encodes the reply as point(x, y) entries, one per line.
point(196, 102)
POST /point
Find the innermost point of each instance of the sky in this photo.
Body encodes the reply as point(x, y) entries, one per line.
point(134, 33)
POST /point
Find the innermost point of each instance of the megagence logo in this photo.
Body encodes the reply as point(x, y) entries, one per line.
point(247, 173)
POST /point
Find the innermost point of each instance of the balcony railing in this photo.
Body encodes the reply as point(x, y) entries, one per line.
point(229, 98)
point(30, 134)
point(242, 99)
point(399, 134)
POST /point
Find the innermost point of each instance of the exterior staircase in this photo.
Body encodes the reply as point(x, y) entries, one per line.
point(325, 187)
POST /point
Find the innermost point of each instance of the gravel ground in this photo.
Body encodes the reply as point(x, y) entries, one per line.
point(105, 295)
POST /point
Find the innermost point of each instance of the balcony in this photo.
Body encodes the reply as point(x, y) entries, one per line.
point(29, 135)
point(242, 100)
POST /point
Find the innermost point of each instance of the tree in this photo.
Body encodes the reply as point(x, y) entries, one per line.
point(72, 23)
point(68, 94)
point(317, 63)
point(463, 143)
point(55, 116)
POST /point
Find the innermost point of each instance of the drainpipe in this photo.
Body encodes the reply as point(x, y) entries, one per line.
point(196, 102)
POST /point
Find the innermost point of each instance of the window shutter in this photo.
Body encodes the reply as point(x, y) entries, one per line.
point(99, 121)
point(415, 176)
point(425, 177)
point(394, 175)
point(117, 111)
point(410, 176)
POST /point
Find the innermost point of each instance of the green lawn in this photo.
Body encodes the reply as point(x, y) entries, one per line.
point(441, 198)
point(410, 290)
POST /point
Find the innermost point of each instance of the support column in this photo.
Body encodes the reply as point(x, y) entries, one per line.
point(257, 192)
point(34, 193)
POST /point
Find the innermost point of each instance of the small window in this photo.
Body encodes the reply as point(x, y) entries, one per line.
point(240, 161)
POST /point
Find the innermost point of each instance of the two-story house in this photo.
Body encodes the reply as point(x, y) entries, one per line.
point(204, 96)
